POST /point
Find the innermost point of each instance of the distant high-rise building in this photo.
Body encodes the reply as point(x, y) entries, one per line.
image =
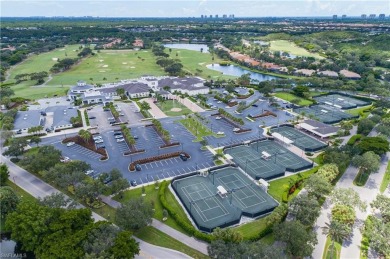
point(382, 16)
point(231, 16)
point(372, 16)
point(364, 16)
point(343, 16)
point(201, 16)
point(224, 16)
point(211, 16)
point(216, 16)
point(335, 17)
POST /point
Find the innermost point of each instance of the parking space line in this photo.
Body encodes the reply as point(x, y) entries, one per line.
point(161, 163)
point(146, 166)
point(151, 165)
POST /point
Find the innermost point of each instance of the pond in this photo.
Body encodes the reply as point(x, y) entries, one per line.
point(187, 46)
point(233, 70)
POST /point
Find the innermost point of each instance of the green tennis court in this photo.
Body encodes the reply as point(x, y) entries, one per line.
point(301, 140)
point(278, 160)
point(340, 101)
point(209, 209)
point(325, 113)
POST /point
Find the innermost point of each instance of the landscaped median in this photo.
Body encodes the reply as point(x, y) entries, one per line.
point(87, 143)
point(156, 158)
point(163, 133)
point(196, 127)
point(130, 141)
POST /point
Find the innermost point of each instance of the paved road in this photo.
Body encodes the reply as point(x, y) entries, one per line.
point(367, 193)
point(189, 241)
point(38, 188)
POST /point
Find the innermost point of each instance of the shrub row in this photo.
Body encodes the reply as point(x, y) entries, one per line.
point(266, 113)
point(128, 137)
point(164, 134)
point(156, 158)
point(170, 145)
point(227, 115)
point(114, 112)
point(354, 139)
point(233, 103)
point(134, 152)
point(246, 106)
point(242, 131)
point(86, 117)
point(297, 184)
point(240, 96)
point(190, 229)
point(225, 99)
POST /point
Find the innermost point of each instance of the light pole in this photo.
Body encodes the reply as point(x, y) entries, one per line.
point(246, 163)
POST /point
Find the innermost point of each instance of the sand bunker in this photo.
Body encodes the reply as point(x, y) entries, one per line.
point(124, 63)
point(105, 65)
point(54, 59)
point(201, 63)
point(175, 110)
point(101, 60)
point(102, 71)
point(132, 67)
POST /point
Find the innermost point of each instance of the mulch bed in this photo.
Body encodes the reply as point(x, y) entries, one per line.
point(156, 158)
point(89, 145)
point(264, 114)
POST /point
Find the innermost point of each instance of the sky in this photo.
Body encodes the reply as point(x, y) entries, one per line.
point(192, 8)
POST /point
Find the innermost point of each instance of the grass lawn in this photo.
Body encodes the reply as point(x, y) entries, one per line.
point(280, 186)
point(251, 228)
point(315, 93)
point(156, 237)
point(357, 111)
point(289, 97)
point(196, 128)
point(196, 62)
point(110, 66)
point(168, 105)
point(328, 253)
point(291, 48)
point(385, 180)
point(152, 196)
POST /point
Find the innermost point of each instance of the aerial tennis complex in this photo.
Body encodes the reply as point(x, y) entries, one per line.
point(288, 134)
point(266, 159)
point(341, 101)
point(325, 113)
point(220, 197)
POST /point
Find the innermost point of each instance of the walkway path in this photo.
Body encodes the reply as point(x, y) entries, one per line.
point(367, 193)
point(189, 241)
point(39, 189)
point(190, 104)
point(345, 139)
point(154, 110)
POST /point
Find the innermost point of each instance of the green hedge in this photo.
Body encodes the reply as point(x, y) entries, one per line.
point(354, 138)
point(86, 117)
point(190, 229)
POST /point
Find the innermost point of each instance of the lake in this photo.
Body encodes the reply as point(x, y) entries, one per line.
point(187, 46)
point(233, 70)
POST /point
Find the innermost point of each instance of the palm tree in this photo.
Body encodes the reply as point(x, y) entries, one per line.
point(144, 106)
point(85, 135)
point(336, 231)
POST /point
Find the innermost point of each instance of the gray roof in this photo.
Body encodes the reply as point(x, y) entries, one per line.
point(188, 83)
point(62, 114)
point(322, 128)
point(109, 89)
point(136, 88)
point(27, 119)
point(81, 87)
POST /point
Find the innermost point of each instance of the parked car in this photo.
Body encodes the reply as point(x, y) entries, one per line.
point(138, 167)
point(218, 118)
point(121, 114)
point(90, 172)
point(92, 117)
point(106, 109)
point(99, 141)
point(236, 129)
point(19, 132)
point(183, 157)
point(120, 140)
point(118, 136)
point(219, 102)
point(255, 105)
point(135, 137)
point(65, 159)
point(117, 133)
point(100, 146)
point(107, 180)
point(70, 144)
point(112, 122)
point(220, 133)
point(133, 183)
point(111, 119)
point(97, 137)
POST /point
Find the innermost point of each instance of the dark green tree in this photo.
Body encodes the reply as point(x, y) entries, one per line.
point(4, 174)
point(134, 214)
point(8, 201)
